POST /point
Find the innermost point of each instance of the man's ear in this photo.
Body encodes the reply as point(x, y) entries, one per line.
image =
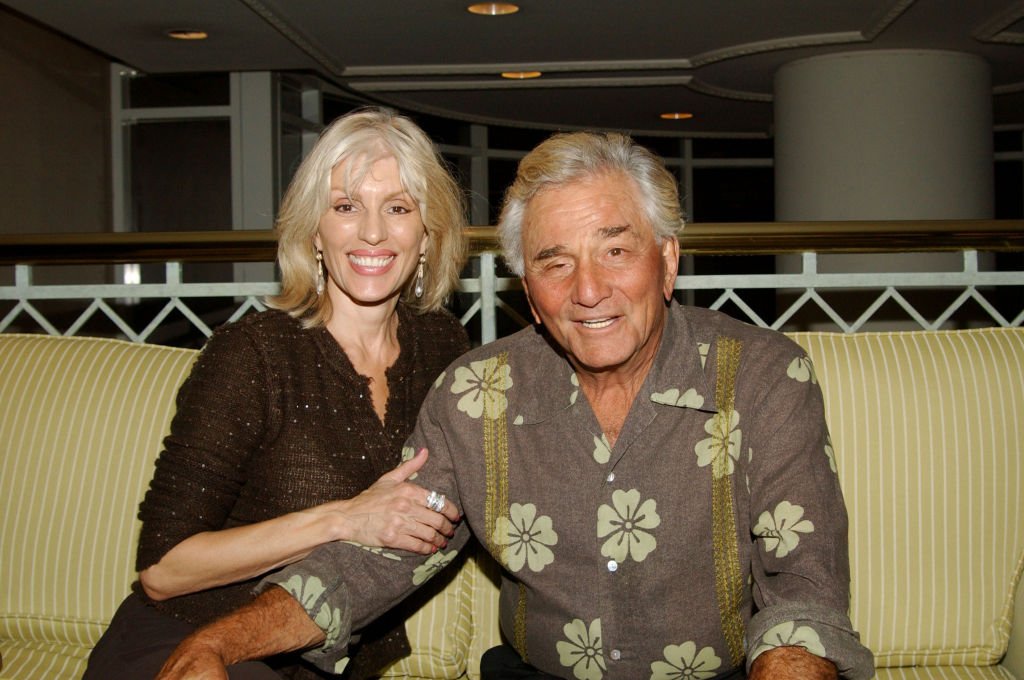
point(670, 259)
point(529, 299)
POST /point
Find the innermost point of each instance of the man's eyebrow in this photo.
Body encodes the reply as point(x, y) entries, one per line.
point(548, 253)
point(612, 232)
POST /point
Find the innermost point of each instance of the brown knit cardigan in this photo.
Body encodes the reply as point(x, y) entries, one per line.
point(273, 419)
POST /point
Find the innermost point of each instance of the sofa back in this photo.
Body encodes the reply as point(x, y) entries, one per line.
point(80, 425)
point(928, 433)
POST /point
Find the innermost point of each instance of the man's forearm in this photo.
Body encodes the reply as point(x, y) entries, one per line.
point(792, 663)
point(271, 624)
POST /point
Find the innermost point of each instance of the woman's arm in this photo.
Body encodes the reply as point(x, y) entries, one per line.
point(391, 513)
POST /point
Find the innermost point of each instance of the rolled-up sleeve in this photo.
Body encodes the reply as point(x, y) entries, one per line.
point(800, 560)
point(344, 586)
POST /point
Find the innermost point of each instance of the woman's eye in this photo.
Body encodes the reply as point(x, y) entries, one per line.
point(344, 207)
point(399, 210)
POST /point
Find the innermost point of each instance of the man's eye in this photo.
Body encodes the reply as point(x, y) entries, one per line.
point(615, 252)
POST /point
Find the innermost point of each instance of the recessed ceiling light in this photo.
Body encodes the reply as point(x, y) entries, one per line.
point(187, 34)
point(493, 9)
point(680, 115)
point(521, 75)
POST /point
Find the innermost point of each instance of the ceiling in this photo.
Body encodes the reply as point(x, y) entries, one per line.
point(606, 63)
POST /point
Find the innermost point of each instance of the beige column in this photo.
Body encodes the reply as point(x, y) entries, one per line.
point(883, 135)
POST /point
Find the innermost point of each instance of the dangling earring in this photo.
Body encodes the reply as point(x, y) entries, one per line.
point(319, 273)
point(417, 289)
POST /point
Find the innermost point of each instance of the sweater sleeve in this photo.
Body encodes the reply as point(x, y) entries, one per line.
point(220, 420)
point(344, 586)
point(801, 578)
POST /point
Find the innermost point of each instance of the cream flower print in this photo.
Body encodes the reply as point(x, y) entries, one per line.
point(626, 523)
point(703, 348)
point(484, 383)
point(428, 569)
point(408, 453)
point(527, 538)
point(684, 662)
point(575, 394)
point(672, 397)
point(787, 634)
point(582, 649)
point(830, 453)
point(801, 369)
point(781, 529)
point(602, 449)
point(440, 379)
point(308, 591)
point(380, 552)
point(722, 448)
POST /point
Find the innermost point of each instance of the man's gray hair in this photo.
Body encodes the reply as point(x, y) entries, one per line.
point(570, 157)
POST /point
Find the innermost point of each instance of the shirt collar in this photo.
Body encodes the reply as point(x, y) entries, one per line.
point(677, 378)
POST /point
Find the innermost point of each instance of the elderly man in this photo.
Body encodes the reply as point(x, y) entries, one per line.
point(657, 481)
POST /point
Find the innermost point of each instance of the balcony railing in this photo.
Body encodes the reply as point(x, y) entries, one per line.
point(847, 276)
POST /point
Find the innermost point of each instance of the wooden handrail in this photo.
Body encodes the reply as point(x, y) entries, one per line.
point(720, 238)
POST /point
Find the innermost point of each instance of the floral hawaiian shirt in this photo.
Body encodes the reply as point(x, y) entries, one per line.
point(713, 529)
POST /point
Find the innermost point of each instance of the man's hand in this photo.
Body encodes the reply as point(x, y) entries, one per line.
point(792, 663)
point(271, 624)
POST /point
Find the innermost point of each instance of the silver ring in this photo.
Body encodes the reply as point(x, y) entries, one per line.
point(435, 501)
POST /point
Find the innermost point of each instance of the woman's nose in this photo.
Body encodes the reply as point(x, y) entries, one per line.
point(372, 228)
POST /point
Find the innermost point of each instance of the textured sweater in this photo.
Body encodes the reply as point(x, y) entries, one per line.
point(274, 419)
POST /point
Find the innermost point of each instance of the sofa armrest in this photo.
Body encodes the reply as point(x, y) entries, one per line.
point(1014, 659)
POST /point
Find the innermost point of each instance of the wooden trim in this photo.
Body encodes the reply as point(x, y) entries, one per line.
point(724, 238)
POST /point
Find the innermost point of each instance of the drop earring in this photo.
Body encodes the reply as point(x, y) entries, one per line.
point(319, 273)
point(417, 288)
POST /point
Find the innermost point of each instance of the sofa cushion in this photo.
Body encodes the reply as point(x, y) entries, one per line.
point(80, 428)
point(944, 673)
point(928, 430)
point(439, 627)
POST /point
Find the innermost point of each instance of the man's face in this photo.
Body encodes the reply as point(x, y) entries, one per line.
point(594, 274)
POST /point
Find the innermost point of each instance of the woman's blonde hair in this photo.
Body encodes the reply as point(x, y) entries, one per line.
point(565, 158)
point(365, 136)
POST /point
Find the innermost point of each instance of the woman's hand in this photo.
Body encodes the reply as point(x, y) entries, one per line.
point(393, 513)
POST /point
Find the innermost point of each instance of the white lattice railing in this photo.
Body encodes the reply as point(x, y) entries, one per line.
point(978, 280)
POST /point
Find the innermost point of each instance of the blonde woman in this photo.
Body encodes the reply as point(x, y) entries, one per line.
point(289, 429)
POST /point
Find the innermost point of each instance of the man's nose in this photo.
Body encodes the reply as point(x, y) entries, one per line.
point(372, 228)
point(590, 285)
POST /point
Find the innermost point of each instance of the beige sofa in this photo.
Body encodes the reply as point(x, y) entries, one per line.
point(927, 427)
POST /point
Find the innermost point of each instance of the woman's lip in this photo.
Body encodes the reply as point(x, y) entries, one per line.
point(371, 263)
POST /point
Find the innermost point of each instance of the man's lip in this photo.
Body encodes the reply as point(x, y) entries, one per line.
point(597, 322)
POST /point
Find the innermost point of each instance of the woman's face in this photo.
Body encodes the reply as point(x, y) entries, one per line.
point(371, 237)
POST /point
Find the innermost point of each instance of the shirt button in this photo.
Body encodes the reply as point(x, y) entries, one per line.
point(611, 477)
point(613, 565)
point(616, 655)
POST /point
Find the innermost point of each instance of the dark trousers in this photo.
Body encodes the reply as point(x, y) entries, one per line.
point(504, 663)
point(140, 639)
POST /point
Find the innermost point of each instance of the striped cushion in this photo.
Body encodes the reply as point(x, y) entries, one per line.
point(80, 427)
point(928, 429)
point(439, 629)
point(944, 673)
